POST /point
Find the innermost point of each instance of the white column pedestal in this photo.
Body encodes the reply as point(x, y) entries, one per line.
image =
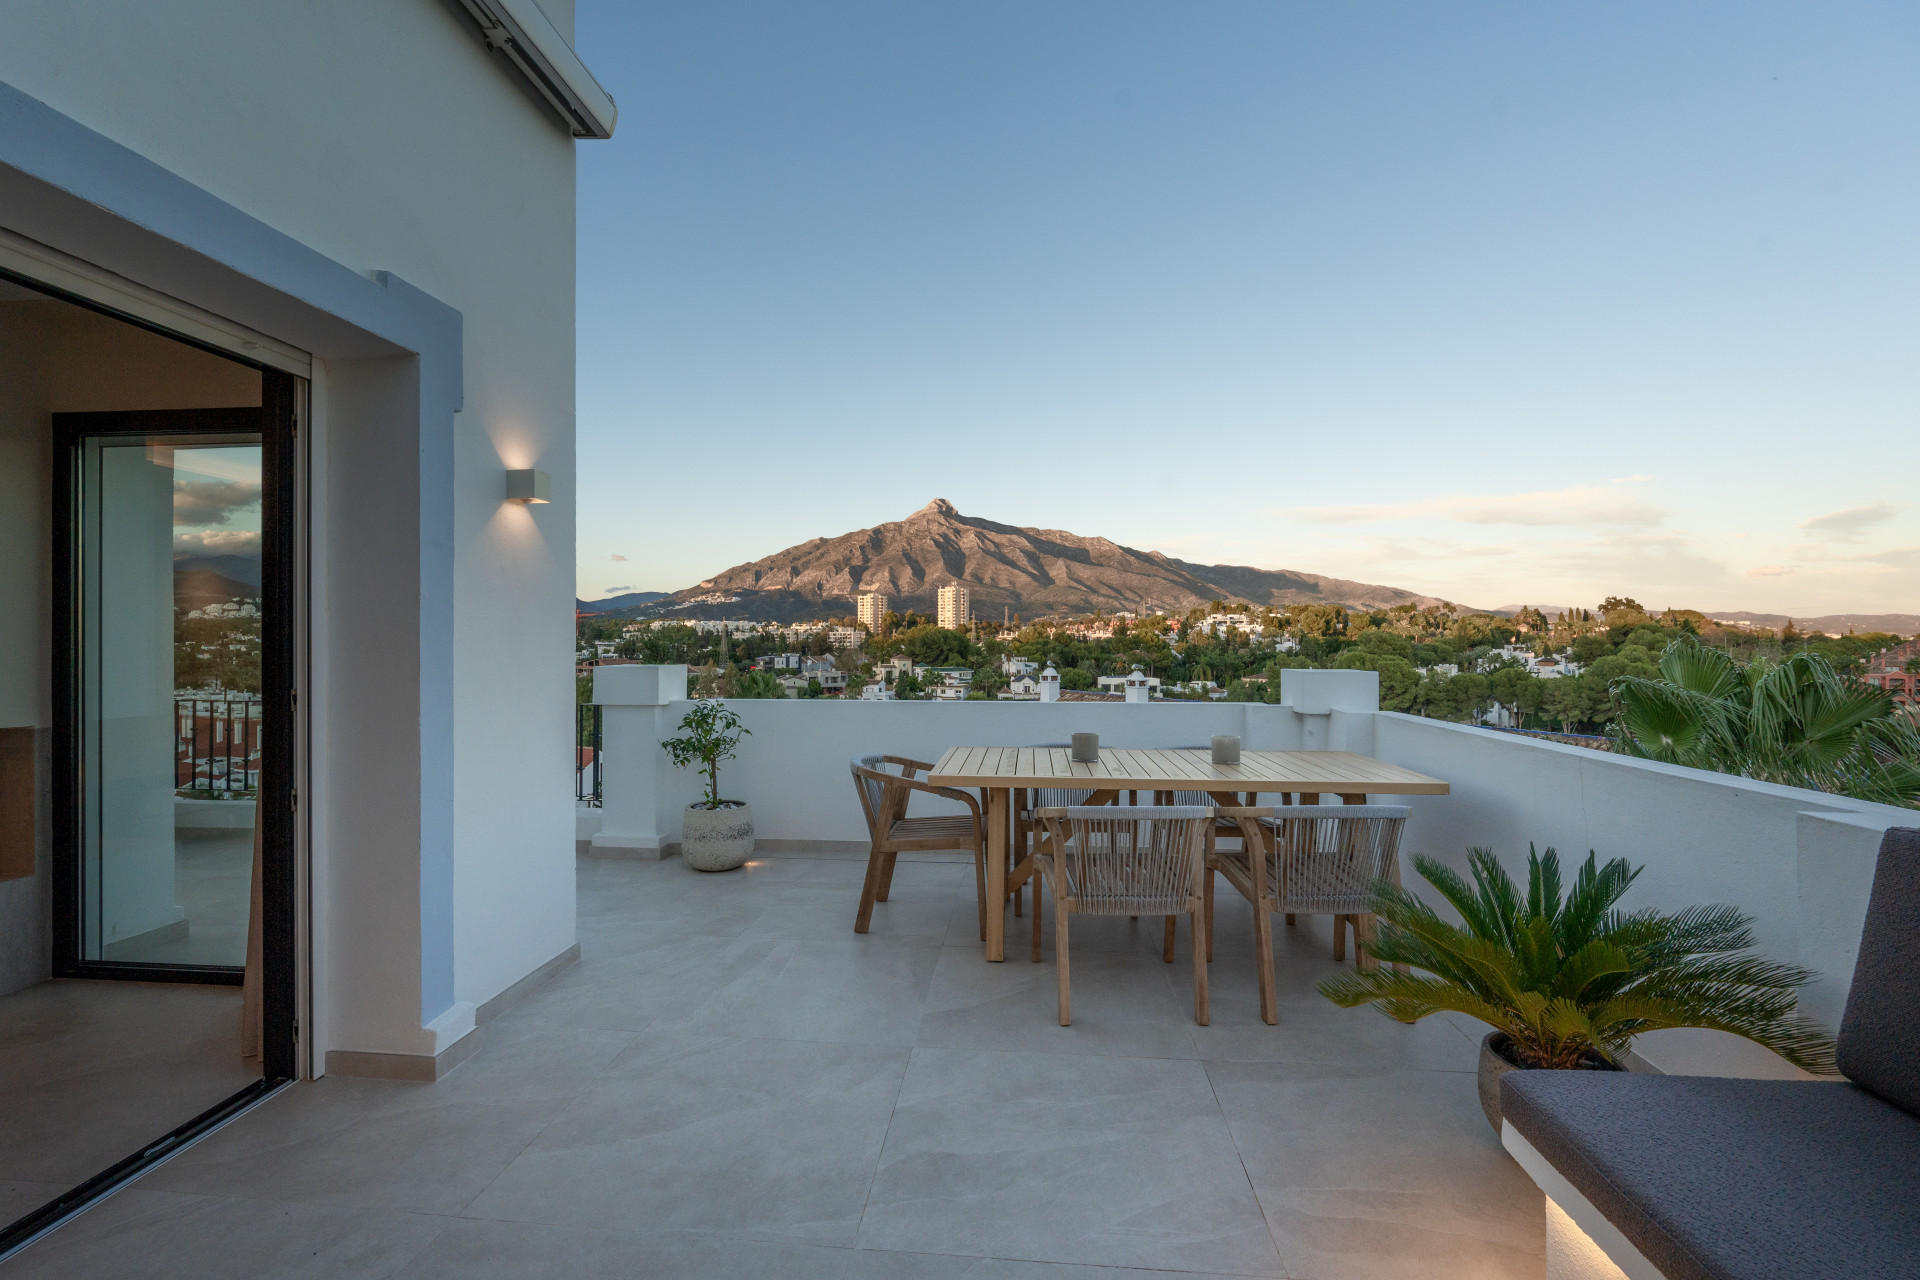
point(634, 699)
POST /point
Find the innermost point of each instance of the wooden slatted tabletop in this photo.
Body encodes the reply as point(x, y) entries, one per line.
point(999, 771)
point(1175, 769)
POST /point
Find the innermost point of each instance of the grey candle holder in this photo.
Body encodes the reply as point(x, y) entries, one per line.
point(1226, 748)
point(1086, 748)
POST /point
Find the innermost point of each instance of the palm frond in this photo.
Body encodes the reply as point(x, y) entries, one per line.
point(1571, 974)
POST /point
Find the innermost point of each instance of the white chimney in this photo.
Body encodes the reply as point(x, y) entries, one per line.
point(1049, 684)
point(1137, 686)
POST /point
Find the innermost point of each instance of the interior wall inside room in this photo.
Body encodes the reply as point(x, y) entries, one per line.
point(59, 358)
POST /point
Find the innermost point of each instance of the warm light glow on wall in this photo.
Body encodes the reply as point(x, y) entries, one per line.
point(1571, 1252)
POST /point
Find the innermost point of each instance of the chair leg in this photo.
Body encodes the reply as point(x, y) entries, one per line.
point(1263, 962)
point(1363, 941)
point(1017, 894)
point(867, 891)
point(1036, 916)
point(1201, 1012)
point(1209, 914)
point(1339, 937)
point(980, 887)
point(886, 877)
point(1166, 949)
point(1290, 920)
point(1060, 963)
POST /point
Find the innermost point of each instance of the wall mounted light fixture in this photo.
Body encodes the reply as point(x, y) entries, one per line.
point(529, 486)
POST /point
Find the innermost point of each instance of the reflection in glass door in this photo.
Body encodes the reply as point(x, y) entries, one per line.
point(169, 637)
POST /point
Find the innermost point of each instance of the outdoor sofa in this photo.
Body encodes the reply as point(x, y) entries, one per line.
point(1697, 1178)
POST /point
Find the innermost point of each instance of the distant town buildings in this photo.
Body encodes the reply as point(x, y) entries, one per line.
point(1022, 688)
point(955, 606)
point(871, 608)
point(235, 609)
point(1888, 670)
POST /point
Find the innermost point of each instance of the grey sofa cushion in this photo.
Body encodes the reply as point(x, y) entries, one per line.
point(1718, 1179)
point(1880, 1032)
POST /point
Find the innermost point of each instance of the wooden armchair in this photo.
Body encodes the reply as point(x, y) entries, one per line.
point(1127, 860)
point(1320, 859)
point(883, 798)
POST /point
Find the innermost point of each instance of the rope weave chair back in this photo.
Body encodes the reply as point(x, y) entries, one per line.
point(1129, 860)
point(1325, 858)
point(872, 789)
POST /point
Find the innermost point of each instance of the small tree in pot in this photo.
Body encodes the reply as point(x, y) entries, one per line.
point(718, 833)
point(1567, 981)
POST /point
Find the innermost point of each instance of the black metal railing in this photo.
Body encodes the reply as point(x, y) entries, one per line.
point(216, 745)
point(586, 752)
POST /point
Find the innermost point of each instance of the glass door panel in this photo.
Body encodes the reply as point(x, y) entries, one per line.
point(170, 696)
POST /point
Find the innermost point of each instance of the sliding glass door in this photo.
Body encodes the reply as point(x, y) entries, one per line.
point(169, 627)
point(174, 684)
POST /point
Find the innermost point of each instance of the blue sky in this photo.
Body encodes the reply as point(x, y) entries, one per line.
point(1501, 303)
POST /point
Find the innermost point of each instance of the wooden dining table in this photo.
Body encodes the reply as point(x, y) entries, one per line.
point(1000, 771)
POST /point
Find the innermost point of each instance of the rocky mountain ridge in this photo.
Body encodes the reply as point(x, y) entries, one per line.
point(1006, 568)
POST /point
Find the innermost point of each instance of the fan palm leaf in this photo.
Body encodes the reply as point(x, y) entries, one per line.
point(1797, 722)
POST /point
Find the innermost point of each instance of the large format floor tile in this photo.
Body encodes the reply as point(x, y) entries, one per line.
point(92, 1071)
point(732, 1083)
point(1048, 1157)
point(139, 1235)
point(844, 988)
point(1126, 1003)
point(372, 1143)
point(769, 1138)
point(1380, 1171)
point(479, 1249)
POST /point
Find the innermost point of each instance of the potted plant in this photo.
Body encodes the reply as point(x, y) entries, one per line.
point(1567, 981)
point(718, 834)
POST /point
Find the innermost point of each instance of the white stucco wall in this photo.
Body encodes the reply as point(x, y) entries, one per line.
point(383, 135)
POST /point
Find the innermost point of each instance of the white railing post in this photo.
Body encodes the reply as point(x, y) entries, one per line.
point(635, 699)
point(1336, 708)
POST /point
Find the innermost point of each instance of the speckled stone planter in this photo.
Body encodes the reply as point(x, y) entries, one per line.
point(718, 839)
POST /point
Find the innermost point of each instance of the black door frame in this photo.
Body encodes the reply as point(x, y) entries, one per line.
point(274, 423)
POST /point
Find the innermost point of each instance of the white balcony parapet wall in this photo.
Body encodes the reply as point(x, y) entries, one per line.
point(1799, 861)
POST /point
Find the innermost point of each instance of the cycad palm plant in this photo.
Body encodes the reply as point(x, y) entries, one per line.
point(1568, 976)
point(1797, 722)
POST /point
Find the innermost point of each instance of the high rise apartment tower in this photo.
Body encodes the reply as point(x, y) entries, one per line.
point(954, 606)
point(872, 607)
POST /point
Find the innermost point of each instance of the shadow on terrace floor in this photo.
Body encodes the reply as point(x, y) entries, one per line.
point(731, 1083)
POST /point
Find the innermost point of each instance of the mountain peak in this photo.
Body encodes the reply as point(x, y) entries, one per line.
point(1006, 567)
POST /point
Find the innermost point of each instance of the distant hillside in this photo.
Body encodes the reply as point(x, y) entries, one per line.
point(241, 569)
point(1903, 624)
point(614, 604)
point(198, 588)
point(1006, 568)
